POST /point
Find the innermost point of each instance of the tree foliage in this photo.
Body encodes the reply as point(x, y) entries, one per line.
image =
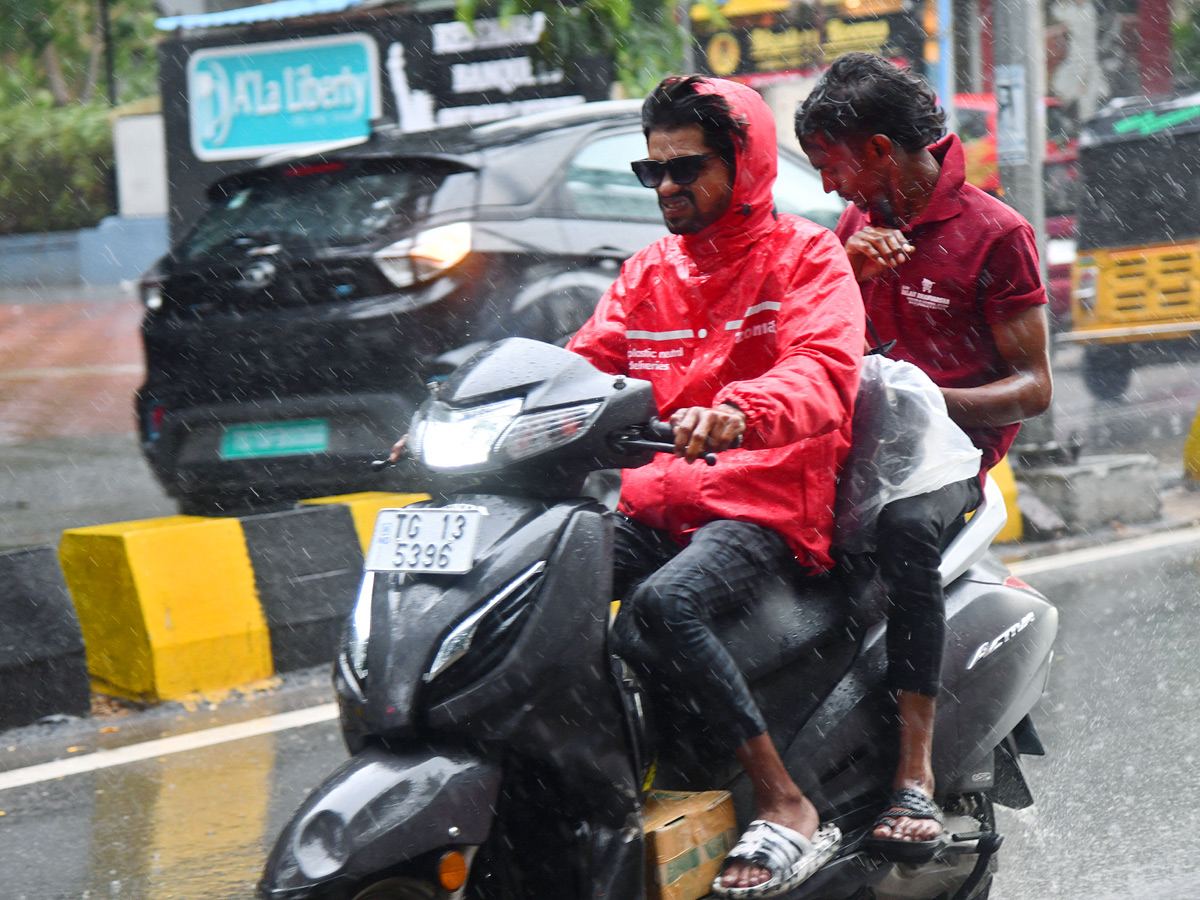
point(52, 52)
point(643, 38)
point(56, 157)
point(1185, 47)
point(55, 168)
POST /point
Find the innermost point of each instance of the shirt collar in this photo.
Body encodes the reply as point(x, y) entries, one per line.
point(946, 202)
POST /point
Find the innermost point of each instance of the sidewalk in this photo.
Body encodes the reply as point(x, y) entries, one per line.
point(70, 361)
point(1180, 510)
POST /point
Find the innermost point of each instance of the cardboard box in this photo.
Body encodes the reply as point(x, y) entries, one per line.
point(687, 837)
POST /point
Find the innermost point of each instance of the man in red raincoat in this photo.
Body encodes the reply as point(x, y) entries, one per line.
point(749, 325)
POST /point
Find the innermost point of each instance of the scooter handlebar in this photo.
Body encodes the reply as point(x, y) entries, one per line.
point(658, 436)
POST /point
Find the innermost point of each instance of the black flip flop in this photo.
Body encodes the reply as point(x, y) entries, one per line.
point(906, 803)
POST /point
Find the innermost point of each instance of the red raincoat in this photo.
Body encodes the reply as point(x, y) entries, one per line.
point(758, 310)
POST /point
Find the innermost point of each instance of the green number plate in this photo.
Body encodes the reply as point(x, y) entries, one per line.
point(259, 439)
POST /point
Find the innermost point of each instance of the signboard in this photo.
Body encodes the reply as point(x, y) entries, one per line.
point(1012, 128)
point(760, 41)
point(232, 93)
point(474, 73)
point(251, 99)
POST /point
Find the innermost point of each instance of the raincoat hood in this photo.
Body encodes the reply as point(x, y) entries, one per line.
point(751, 212)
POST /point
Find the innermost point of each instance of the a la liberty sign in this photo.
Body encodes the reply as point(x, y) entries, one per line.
point(249, 100)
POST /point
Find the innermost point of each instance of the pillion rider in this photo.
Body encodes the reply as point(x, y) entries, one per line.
point(949, 274)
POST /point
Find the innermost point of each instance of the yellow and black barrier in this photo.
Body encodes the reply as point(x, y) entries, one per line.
point(175, 607)
point(181, 606)
point(43, 670)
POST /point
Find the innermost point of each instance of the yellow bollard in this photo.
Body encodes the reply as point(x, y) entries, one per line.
point(1014, 530)
point(168, 607)
point(1191, 453)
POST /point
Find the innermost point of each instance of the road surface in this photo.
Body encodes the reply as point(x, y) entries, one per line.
point(185, 804)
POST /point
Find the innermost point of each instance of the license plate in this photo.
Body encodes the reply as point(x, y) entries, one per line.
point(438, 539)
point(259, 439)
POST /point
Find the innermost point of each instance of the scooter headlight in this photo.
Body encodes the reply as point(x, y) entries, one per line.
point(447, 438)
point(360, 627)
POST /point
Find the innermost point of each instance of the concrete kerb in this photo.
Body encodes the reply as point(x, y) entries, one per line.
point(180, 606)
point(172, 608)
point(1176, 499)
point(43, 668)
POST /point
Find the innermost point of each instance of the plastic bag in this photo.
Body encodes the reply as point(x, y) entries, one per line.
point(905, 444)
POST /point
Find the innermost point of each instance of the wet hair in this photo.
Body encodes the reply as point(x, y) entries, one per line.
point(863, 94)
point(676, 103)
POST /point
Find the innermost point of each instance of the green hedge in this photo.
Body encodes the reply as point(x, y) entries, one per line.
point(55, 168)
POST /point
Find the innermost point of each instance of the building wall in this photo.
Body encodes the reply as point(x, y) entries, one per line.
point(117, 250)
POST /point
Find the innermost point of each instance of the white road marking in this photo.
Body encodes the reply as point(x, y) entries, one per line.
point(180, 743)
point(315, 715)
point(1092, 555)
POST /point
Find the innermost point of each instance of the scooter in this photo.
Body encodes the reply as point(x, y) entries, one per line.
point(500, 752)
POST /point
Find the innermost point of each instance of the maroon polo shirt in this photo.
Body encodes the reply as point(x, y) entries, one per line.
point(975, 264)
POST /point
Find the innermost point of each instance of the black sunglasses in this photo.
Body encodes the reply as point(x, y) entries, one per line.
point(682, 169)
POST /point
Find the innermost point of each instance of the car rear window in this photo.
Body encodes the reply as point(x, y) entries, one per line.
point(319, 205)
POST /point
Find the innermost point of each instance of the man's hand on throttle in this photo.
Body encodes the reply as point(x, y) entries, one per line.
point(699, 429)
point(872, 251)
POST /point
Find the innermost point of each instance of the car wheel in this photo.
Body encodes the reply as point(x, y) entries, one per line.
point(1107, 369)
point(553, 307)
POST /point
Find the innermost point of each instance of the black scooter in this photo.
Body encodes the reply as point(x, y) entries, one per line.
point(498, 750)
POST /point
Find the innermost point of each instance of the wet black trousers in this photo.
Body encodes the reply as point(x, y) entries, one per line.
point(669, 596)
point(912, 534)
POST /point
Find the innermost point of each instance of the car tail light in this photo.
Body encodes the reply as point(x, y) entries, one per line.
point(425, 256)
point(154, 420)
point(309, 169)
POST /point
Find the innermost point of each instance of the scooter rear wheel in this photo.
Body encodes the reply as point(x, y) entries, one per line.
point(398, 889)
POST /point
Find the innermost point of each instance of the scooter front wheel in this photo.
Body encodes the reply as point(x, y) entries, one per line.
point(398, 889)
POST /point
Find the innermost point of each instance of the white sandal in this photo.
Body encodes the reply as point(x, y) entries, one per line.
point(789, 856)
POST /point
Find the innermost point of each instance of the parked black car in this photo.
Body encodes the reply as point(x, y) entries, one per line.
point(291, 334)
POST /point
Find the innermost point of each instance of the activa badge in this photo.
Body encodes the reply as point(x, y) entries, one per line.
point(987, 649)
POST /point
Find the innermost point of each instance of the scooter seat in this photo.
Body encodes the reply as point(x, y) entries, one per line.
point(797, 617)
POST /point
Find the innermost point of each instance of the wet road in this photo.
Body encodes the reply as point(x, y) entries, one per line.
point(191, 817)
point(1118, 801)
point(1119, 721)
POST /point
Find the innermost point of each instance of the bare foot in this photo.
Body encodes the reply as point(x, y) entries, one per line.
point(796, 813)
